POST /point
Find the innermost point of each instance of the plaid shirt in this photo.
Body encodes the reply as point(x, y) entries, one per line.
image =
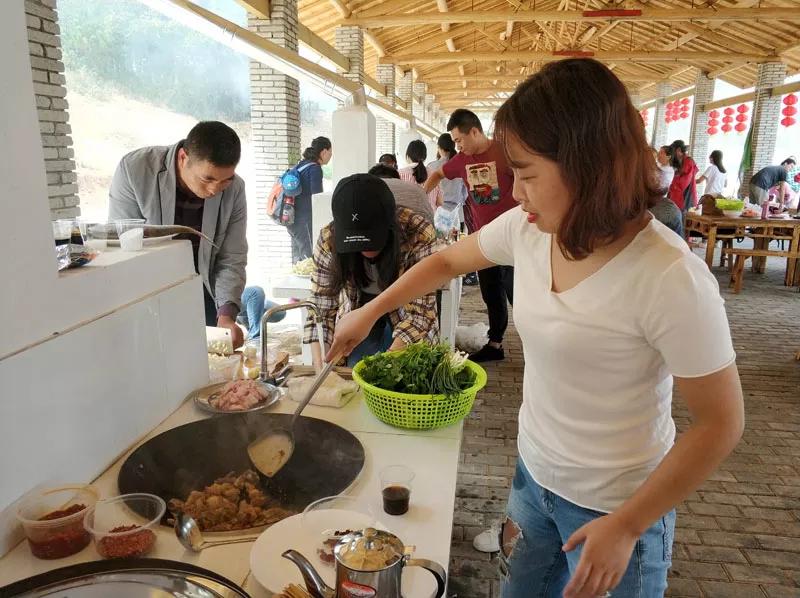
point(415, 321)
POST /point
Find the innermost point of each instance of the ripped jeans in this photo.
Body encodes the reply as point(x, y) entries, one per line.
point(533, 564)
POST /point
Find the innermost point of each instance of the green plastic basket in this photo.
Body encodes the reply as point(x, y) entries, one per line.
point(419, 412)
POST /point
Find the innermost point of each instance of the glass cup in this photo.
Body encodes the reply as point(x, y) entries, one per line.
point(62, 230)
point(395, 483)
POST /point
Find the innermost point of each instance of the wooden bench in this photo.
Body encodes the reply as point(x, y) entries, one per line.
point(737, 274)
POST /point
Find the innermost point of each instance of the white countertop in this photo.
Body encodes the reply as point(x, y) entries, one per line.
point(433, 455)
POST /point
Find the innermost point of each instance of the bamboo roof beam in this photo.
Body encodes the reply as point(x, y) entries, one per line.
point(260, 8)
point(341, 7)
point(321, 47)
point(616, 56)
point(636, 15)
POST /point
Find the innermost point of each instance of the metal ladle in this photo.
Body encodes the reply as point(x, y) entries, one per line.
point(189, 534)
point(280, 441)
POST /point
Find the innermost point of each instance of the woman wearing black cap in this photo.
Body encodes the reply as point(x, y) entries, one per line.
point(370, 244)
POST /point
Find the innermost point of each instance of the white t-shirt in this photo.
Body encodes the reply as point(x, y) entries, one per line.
point(715, 180)
point(665, 175)
point(599, 358)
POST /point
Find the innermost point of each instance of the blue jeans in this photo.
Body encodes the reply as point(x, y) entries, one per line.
point(537, 567)
point(378, 340)
point(254, 305)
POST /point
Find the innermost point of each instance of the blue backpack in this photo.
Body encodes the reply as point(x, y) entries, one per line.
point(280, 203)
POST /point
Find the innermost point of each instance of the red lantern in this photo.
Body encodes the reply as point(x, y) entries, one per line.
point(788, 121)
point(727, 119)
point(685, 101)
point(712, 131)
point(790, 100)
point(797, 178)
point(741, 118)
point(713, 114)
point(742, 108)
point(726, 128)
point(729, 111)
point(667, 119)
point(713, 122)
point(684, 114)
point(669, 105)
point(741, 127)
point(789, 111)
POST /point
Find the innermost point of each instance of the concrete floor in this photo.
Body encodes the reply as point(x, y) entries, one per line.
point(739, 534)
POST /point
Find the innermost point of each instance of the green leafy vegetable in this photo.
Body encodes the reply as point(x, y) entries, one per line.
point(420, 369)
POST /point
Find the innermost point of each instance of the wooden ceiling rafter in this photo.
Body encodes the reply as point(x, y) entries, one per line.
point(634, 15)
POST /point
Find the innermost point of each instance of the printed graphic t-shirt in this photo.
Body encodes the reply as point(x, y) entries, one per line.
point(489, 181)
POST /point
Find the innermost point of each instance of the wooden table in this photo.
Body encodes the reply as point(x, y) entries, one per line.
point(761, 231)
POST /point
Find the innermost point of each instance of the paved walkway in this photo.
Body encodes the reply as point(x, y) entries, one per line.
point(738, 536)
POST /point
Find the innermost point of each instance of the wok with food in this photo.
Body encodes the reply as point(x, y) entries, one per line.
point(199, 457)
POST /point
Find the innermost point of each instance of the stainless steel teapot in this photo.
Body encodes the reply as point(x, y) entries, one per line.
point(369, 564)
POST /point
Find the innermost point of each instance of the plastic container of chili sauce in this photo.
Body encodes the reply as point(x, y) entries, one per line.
point(53, 520)
point(123, 526)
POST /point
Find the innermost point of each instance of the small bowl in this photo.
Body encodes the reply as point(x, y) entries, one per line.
point(122, 526)
point(60, 536)
point(732, 213)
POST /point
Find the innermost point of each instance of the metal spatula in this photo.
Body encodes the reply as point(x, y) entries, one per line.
point(271, 451)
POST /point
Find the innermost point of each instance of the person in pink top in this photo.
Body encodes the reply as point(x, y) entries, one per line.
point(417, 172)
point(481, 163)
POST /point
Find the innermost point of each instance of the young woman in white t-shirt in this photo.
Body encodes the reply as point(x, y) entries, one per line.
point(715, 175)
point(610, 297)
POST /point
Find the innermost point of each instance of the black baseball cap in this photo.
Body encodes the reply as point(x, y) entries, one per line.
point(363, 213)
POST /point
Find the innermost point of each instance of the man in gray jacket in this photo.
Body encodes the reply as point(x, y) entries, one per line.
point(193, 183)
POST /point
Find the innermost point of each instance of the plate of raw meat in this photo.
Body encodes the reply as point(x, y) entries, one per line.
point(237, 396)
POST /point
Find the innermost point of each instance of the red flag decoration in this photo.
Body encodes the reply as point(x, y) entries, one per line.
point(789, 110)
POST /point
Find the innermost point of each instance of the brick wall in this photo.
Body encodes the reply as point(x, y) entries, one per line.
point(659, 126)
point(349, 40)
point(699, 139)
point(49, 85)
point(429, 107)
point(766, 116)
point(384, 129)
point(275, 120)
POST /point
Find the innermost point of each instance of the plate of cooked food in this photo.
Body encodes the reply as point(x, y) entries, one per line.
point(236, 396)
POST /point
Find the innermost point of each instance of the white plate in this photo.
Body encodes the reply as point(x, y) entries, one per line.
point(274, 572)
point(146, 241)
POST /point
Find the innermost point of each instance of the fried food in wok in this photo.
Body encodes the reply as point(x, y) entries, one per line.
point(231, 503)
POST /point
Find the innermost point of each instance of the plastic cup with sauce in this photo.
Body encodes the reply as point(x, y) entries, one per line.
point(395, 483)
point(52, 519)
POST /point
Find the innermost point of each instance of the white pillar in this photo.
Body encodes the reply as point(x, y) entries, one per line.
point(660, 132)
point(385, 129)
point(699, 138)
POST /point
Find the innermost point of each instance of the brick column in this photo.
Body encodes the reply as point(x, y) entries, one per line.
point(659, 138)
point(384, 129)
point(349, 41)
point(766, 114)
point(49, 84)
point(698, 139)
point(275, 121)
point(420, 89)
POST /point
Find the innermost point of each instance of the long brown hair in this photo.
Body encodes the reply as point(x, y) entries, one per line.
point(578, 114)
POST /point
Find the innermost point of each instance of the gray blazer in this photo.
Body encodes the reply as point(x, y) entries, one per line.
point(144, 187)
